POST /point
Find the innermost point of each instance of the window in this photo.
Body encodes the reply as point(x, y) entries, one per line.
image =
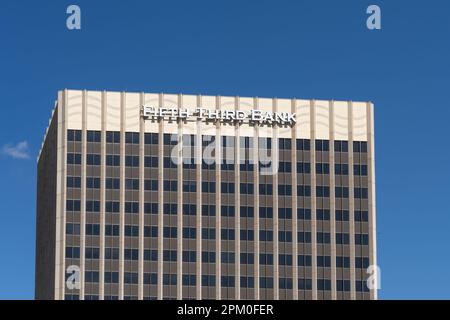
point(340, 146)
point(247, 235)
point(208, 281)
point(341, 192)
point(227, 187)
point(189, 186)
point(112, 230)
point(285, 259)
point(303, 191)
point(323, 237)
point(323, 214)
point(170, 255)
point(303, 214)
point(247, 258)
point(132, 161)
point(73, 252)
point(285, 283)
point(112, 183)
point(265, 235)
point(266, 259)
point(342, 238)
point(170, 185)
point(304, 237)
point(73, 228)
point(361, 286)
point(151, 162)
point(361, 216)
point(361, 193)
point(150, 231)
point(208, 187)
point(284, 190)
point(322, 168)
point(151, 255)
point(266, 212)
point(92, 206)
point(73, 135)
point(227, 234)
point(169, 279)
point(112, 206)
point(360, 146)
point(131, 184)
point(303, 167)
point(208, 257)
point(131, 254)
point(131, 231)
point(284, 166)
point(189, 209)
point(265, 189)
point(246, 188)
point(151, 185)
point(94, 136)
point(305, 284)
point(151, 138)
point(323, 261)
point(92, 229)
point(304, 260)
point(92, 183)
point(266, 283)
point(91, 276)
point(170, 208)
point(132, 137)
point(285, 236)
point(73, 158)
point(92, 253)
point(343, 285)
point(112, 253)
point(170, 232)
point(361, 262)
point(227, 281)
point(113, 160)
point(169, 163)
point(227, 211)
point(208, 210)
point(362, 239)
point(227, 257)
point(341, 169)
point(112, 136)
point(322, 145)
point(131, 207)
point(360, 170)
point(284, 144)
point(189, 233)
point(111, 277)
point(130, 277)
point(170, 139)
point(323, 191)
point(150, 208)
point(342, 215)
point(247, 212)
point(93, 159)
point(342, 262)
point(73, 182)
point(189, 256)
point(323, 284)
point(247, 282)
point(189, 279)
point(303, 144)
point(73, 205)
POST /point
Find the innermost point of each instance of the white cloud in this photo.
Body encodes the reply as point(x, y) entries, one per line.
point(17, 151)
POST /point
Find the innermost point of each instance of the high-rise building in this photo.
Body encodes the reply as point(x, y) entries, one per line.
point(163, 196)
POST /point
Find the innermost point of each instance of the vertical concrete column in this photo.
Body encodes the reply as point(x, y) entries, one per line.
point(122, 194)
point(218, 204)
point(198, 161)
point(160, 201)
point(332, 203)
point(313, 200)
point(256, 204)
point(83, 194)
point(237, 203)
point(275, 163)
point(294, 205)
point(351, 200)
point(180, 205)
point(372, 191)
point(102, 196)
point(141, 199)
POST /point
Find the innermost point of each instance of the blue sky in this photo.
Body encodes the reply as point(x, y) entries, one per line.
point(304, 49)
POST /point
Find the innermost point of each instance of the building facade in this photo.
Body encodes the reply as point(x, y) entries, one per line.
point(161, 196)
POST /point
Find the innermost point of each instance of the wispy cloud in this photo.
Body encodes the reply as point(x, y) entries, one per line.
point(16, 151)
